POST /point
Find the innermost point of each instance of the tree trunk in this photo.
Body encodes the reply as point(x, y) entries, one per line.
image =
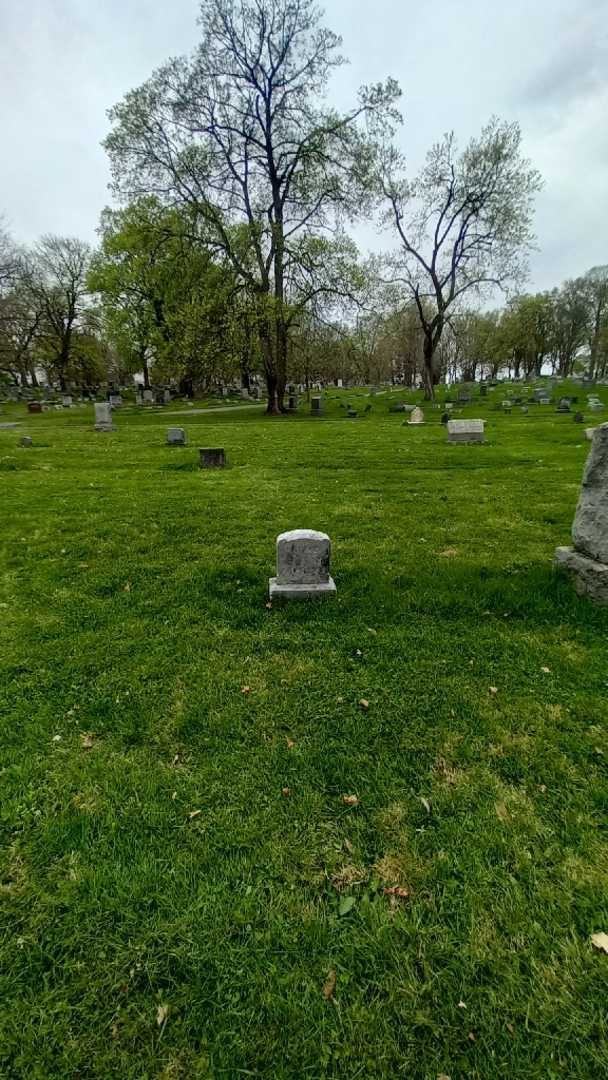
point(428, 381)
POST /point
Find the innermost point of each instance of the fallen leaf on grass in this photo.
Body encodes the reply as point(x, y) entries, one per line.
point(364, 703)
point(493, 689)
point(600, 941)
point(461, 1005)
point(471, 1036)
point(371, 630)
point(286, 792)
point(87, 741)
point(290, 744)
point(547, 670)
point(269, 606)
point(398, 891)
point(426, 804)
point(245, 689)
point(162, 1013)
point(193, 814)
point(350, 800)
point(127, 587)
point(329, 985)
point(449, 553)
point(346, 904)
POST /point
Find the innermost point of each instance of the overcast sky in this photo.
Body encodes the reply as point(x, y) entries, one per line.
point(63, 63)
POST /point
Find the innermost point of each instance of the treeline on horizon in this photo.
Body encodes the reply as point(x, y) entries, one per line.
point(229, 252)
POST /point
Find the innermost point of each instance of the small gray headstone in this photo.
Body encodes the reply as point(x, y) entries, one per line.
point(176, 436)
point(148, 397)
point(315, 406)
point(303, 563)
point(103, 416)
point(465, 431)
point(25, 440)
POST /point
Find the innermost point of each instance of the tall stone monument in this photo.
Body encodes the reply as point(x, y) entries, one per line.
point(588, 559)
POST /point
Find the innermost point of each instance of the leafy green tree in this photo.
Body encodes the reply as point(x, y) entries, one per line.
point(56, 281)
point(463, 225)
point(238, 133)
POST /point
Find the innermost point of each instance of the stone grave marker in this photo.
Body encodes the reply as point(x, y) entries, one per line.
point(588, 558)
point(66, 401)
point(103, 416)
point(578, 418)
point(25, 440)
point(212, 458)
point(315, 406)
point(416, 417)
point(176, 436)
point(148, 397)
point(303, 563)
point(34, 406)
point(465, 431)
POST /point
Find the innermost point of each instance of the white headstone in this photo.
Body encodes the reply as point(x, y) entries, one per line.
point(103, 416)
point(465, 431)
point(416, 417)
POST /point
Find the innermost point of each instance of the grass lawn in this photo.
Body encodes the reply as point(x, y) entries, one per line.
point(184, 891)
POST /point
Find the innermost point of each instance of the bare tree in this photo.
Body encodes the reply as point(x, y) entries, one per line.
point(464, 225)
point(57, 282)
point(239, 133)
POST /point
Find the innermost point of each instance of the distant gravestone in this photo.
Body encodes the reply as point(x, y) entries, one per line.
point(525, 410)
point(315, 406)
point(465, 431)
point(167, 397)
point(416, 417)
point(396, 408)
point(211, 458)
point(34, 406)
point(506, 405)
point(578, 418)
point(589, 433)
point(67, 401)
point(148, 397)
point(464, 397)
point(483, 390)
point(303, 563)
point(588, 558)
point(103, 416)
point(244, 393)
point(293, 403)
point(116, 401)
point(564, 405)
point(25, 440)
point(176, 436)
point(445, 417)
point(352, 413)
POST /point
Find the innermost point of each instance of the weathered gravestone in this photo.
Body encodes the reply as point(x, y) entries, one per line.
point(588, 559)
point(303, 561)
point(148, 397)
point(579, 418)
point(166, 397)
point(564, 405)
point(293, 403)
point(103, 416)
point(416, 417)
point(315, 406)
point(34, 406)
point(212, 458)
point(507, 405)
point(116, 401)
point(66, 401)
point(176, 436)
point(352, 413)
point(465, 431)
point(25, 440)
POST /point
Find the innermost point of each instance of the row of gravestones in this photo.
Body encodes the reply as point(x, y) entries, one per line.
point(303, 555)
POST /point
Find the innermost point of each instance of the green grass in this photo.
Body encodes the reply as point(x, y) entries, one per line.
point(133, 612)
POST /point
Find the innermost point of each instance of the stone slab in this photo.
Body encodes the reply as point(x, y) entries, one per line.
point(303, 557)
point(466, 431)
point(321, 590)
point(176, 436)
point(590, 576)
point(590, 528)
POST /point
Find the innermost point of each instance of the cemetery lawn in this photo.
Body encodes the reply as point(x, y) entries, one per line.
point(205, 803)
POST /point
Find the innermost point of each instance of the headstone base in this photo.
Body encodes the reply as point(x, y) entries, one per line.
point(321, 589)
point(590, 577)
